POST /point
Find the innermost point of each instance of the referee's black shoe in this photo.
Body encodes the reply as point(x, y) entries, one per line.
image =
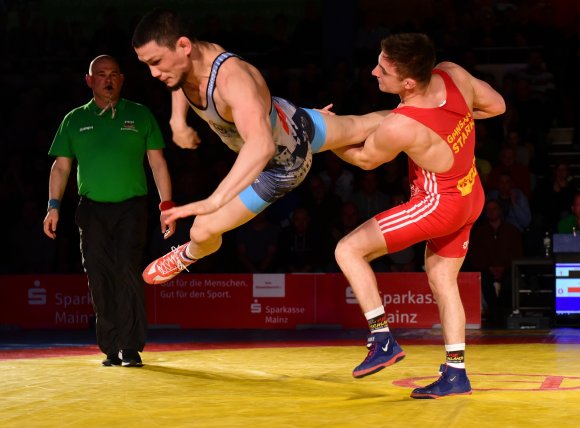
point(112, 360)
point(131, 358)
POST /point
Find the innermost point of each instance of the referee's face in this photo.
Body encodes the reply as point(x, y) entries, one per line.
point(106, 81)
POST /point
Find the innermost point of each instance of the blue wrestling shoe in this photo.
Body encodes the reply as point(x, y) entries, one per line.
point(452, 382)
point(383, 352)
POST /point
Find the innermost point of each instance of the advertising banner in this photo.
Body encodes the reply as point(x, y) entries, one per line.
point(244, 301)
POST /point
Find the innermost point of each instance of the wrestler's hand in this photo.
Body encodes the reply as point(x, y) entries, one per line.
point(185, 137)
point(326, 110)
point(205, 206)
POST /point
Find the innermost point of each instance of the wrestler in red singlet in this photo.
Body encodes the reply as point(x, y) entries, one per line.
point(444, 206)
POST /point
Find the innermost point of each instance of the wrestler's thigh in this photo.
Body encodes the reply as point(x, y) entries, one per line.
point(342, 131)
point(228, 217)
point(441, 269)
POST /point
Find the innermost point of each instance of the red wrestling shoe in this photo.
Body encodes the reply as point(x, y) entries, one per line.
point(165, 268)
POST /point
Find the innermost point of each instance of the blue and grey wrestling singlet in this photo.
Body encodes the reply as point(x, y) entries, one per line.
point(297, 133)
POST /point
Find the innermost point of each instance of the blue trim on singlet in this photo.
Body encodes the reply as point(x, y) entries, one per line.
point(273, 114)
point(211, 87)
point(252, 201)
point(210, 113)
point(319, 130)
point(217, 63)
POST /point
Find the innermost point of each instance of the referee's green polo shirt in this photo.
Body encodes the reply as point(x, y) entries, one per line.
point(109, 151)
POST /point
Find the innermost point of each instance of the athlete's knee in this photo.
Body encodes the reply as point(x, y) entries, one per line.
point(432, 285)
point(439, 286)
point(344, 251)
point(201, 235)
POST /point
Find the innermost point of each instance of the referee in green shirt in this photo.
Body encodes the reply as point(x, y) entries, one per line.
point(109, 138)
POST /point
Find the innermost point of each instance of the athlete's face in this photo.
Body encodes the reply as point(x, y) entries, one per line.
point(387, 76)
point(106, 81)
point(169, 66)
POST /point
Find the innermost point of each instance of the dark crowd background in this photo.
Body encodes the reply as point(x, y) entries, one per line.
point(313, 53)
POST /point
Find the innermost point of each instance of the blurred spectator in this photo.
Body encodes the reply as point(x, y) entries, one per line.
point(368, 199)
point(302, 247)
point(336, 177)
point(514, 203)
point(324, 207)
point(493, 245)
point(490, 134)
point(571, 223)
point(404, 260)
point(394, 180)
point(486, 149)
point(347, 221)
point(524, 151)
point(541, 81)
point(257, 245)
point(520, 174)
point(551, 199)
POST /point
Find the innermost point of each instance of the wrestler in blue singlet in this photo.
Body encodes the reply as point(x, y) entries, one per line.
point(297, 132)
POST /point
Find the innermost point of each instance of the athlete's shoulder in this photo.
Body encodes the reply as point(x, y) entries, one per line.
point(397, 129)
point(450, 67)
point(455, 71)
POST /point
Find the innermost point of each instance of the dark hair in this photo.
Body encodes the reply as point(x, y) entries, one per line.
point(163, 27)
point(412, 54)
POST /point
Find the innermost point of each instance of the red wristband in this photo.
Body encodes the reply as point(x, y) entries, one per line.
point(165, 205)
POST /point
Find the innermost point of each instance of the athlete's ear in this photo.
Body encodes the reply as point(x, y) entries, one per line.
point(410, 83)
point(185, 44)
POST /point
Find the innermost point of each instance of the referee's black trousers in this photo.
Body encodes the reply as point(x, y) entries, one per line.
point(113, 237)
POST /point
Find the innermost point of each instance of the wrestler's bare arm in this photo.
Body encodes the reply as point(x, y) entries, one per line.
point(183, 135)
point(487, 102)
point(380, 147)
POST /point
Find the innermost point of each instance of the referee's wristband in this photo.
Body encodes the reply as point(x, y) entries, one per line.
point(53, 204)
point(165, 205)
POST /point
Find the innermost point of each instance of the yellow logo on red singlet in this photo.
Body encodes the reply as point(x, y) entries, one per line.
point(465, 185)
point(458, 138)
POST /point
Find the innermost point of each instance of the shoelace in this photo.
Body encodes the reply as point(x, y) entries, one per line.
point(372, 350)
point(169, 263)
point(438, 381)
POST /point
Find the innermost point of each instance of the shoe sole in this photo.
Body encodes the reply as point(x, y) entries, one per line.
point(132, 364)
point(157, 280)
point(435, 397)
point(362, 373)
point(111, 362)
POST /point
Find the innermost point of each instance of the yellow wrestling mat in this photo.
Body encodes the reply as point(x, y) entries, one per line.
point(515, 385)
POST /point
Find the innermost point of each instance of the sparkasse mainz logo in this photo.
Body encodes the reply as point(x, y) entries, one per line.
point(37, 294)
